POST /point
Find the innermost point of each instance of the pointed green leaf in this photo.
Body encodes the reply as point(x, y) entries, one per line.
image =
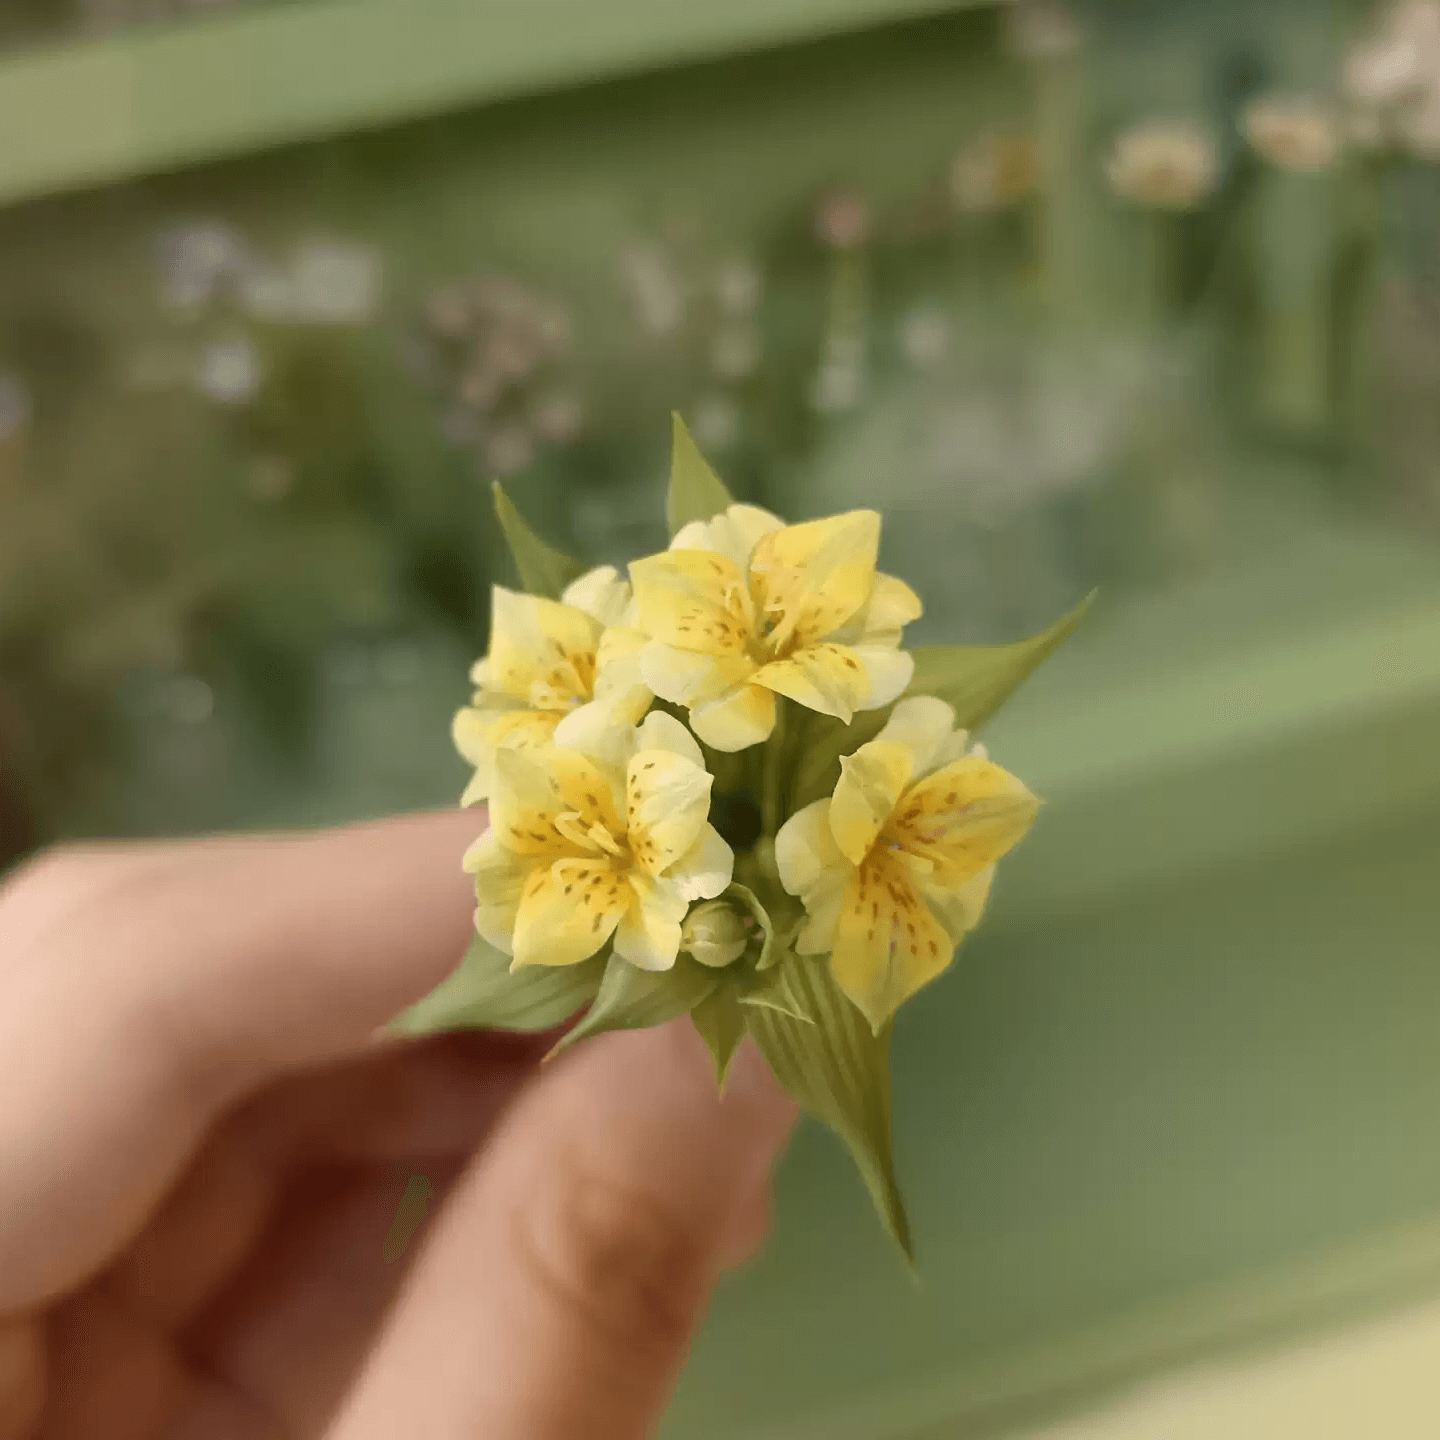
point(543, 571)
point(482, 993)
point(772, 988)
point(721, 1023)
point(839, 1071)
point(751, 902)
point(978, 679)
point(635, 999)
point(975, 679)
point(696, 491)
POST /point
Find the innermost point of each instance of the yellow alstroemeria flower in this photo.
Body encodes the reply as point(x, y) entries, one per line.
point(583, 847)
point(896, 866)
point(742, 608)
point(548, 658)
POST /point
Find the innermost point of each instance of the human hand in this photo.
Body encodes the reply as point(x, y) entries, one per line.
point(203, 1144)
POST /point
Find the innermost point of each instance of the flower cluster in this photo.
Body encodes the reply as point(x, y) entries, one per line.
point(721, 785)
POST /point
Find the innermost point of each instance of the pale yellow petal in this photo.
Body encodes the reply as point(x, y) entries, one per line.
point(479, 731)
point(619, 678)
point(871, 782)
point(882, 619)
point(959, 911)
point(810, 579)
point(805, 850)
point(602, 593)
point(649, 932)
point(664, 732)
point(733, 533)
point(827, 678)
point(668, 798)
point(567, 912)
point(540, 642)
point(887, 942)
point(924, 725)
point(534, 789)
point(693, 599)
point(690, 677)
point(887, 673)
point(963, 817)
point(706, 868)
point(744, 717)
point(499, 877)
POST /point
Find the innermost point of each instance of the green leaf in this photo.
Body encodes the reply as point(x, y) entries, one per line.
point(696, 491)
point(743, 895)
point(482, 993)
point(721, 1023)
point(975, 679)
point(635, 999)
point(543, 571)
point(839, 1071)
point(773, 989)
point(978, 679)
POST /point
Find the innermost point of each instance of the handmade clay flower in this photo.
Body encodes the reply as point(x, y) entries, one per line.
point(582, 848)
point(743, 608)
point(547, 659)
point(896, 866)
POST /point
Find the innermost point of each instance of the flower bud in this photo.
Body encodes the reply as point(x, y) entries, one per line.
point(714, 933)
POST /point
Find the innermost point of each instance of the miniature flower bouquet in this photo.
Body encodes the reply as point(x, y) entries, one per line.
point(721, 786)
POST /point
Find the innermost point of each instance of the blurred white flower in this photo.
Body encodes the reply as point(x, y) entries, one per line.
point(1294, 132)
point(228, 371)
point(509, 449)
point(993, 172)
point(735, 353)
point(716, 422)
point(838, 386)
point(925, 337)
point(558, 417)
point(1042, 29)
point(335, 282)
point(1398, 57)
point(14, 406)
point(654, 287)
point(842, 220)
point(1164, 164)
point(193, 260)
point(738, 287)
point(265, 293)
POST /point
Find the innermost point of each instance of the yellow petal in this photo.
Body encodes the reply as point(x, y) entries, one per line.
point(690, 677)
point(891, 607)
point(534, 641)
point(693, 599)
point(806, 854)
point(602, 594)
point(959, 911)
point(829, 678)
point(649, 933)
point(478, 731)
point(733, 533)
point(923, 725)
point(664, 732)
point(706, 868)
point(887, 942)
point(567, 912)
point(812, 578)
point(668, 799)
point(963, 817)
point(735, 721)
point(534, 789)
point(871, 782)
point(499, 877)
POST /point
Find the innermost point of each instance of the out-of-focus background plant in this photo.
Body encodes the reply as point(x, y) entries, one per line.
point(1063, 303)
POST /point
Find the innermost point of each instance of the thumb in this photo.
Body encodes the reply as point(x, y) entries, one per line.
point(560, 1288)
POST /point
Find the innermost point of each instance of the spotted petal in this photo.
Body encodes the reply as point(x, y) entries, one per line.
point(694, 600)
point(534, 641)
point(871, 783)
point(567, 911)
point(668, 798)
point(814, 577)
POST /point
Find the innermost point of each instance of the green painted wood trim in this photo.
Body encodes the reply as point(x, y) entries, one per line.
point(105, 110)
point(1263, 1312)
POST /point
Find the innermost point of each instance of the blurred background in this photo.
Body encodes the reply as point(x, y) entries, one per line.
point(1130, 293)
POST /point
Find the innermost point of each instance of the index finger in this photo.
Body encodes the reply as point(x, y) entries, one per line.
point(144, 989)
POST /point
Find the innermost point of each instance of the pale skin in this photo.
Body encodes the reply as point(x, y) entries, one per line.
point(204, 1143)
